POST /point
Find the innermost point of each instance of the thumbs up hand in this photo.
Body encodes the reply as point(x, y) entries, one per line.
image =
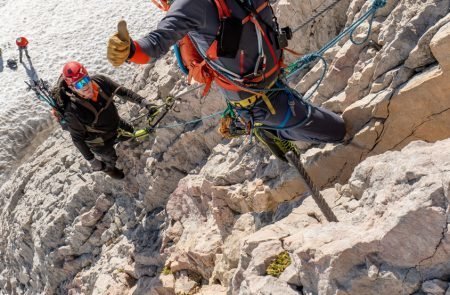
point(119, 45)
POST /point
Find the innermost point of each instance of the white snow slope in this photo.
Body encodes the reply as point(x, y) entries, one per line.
point(58, 31)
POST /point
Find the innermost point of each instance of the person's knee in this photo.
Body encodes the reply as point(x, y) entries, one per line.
point(107, 154)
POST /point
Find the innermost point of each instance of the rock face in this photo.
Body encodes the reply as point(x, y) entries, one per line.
point(395, 92)
point(23, 139)
point(197, 214)
point(393, 233)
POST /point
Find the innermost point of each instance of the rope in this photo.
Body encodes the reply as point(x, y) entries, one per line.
point(295, 161)
point(189, 122)
point(309, 58)
point(182, 93)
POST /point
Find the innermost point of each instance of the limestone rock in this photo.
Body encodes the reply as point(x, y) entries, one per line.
point(394, 235)
point(163, 285)
point(291, 276)
point(434, 287)
point(439, 43)
point(184, 284)
point(212, 290)
point(266, 286)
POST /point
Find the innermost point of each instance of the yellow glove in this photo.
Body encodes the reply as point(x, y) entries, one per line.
point(119, 45)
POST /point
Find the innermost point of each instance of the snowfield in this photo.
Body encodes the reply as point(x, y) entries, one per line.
point(58, 31)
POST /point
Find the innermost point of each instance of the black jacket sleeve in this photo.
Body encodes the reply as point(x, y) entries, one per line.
point(78, 134)
point(121, 91)
point(129, 95)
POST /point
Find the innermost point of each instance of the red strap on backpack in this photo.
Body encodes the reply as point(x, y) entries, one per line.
point(222, 9)
point(201, 72)
point(163, 5)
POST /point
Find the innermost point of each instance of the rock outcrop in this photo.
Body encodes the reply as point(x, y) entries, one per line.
point(392, 238)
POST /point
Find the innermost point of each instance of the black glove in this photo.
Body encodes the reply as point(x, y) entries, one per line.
point(152, 108)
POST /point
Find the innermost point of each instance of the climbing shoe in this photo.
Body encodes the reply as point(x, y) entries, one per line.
point(277, 146)
point(114, 173)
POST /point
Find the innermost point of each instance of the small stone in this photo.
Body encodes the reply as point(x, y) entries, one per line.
point(184, 285)
point(435, 287)
point(103, 203)
point(91, 217)
point(448, 290)
point(372, 272)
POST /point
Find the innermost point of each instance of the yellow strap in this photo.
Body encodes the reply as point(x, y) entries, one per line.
point(245, 102)
point(252, 99)
point(269, 104)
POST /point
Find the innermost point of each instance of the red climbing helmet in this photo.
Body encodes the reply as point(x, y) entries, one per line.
point(73, 71)
point(21, 42)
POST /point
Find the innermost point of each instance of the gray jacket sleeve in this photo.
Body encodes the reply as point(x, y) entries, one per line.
point(183, 16)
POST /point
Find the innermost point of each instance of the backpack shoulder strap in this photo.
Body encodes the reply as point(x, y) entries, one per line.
point(223, 9)
point(83, 103)
point(163, 5)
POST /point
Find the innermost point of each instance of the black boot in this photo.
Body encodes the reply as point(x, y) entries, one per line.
point(114, 173)
point(279, 147)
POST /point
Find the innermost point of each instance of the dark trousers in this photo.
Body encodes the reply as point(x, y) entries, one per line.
point(106, 151)
point(20, 53)
point(322, 126)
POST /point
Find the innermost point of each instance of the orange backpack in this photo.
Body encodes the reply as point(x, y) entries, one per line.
point(193, 64)
point(202, 71)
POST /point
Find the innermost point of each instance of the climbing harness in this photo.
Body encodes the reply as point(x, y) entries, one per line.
point(202, 67)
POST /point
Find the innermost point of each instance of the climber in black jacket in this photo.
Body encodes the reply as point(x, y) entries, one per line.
point(91, 116)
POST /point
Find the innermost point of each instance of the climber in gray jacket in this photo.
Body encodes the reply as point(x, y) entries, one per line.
point(239, 47)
